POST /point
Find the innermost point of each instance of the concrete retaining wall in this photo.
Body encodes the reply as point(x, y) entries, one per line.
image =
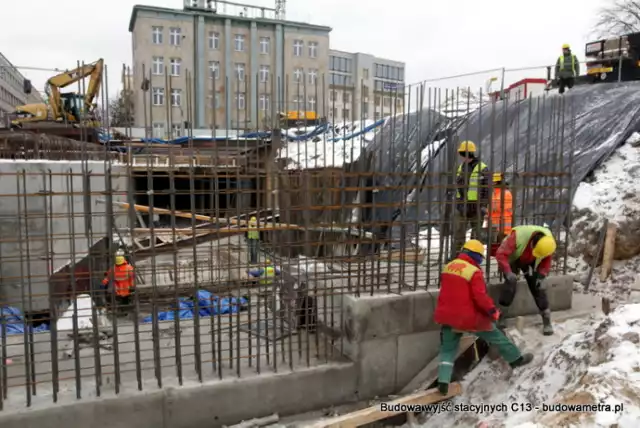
point(388, 338)
point(36, 209)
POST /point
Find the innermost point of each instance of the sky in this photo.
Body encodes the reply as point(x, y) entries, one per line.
point(435, 39)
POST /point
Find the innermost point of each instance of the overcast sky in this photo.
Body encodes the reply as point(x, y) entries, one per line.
point(435, 38)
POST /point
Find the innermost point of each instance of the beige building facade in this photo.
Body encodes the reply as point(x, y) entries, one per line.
point(213, 64)
point(12, 92)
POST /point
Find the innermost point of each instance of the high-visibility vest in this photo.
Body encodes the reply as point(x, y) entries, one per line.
point(122, 279)
point(253, 232)
point(573, 63)
point(501, 211)
point(474, 182)
point(461, 268)
point(523, 236)
point(266, 278)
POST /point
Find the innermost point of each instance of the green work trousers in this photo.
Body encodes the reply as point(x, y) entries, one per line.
point(449, 348)
point(460, 227)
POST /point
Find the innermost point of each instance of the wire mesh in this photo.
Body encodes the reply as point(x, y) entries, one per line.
point(343, 204)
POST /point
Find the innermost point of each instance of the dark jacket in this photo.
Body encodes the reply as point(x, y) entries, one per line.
point(465, 207)
point(567, 66)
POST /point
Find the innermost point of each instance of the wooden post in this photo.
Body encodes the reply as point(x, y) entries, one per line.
point(609, 248)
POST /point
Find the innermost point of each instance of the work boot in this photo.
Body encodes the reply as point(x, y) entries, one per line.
point(547, 329)
point(522, 361)
point(443, 388)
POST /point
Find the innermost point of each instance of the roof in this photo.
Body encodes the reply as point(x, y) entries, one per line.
point(136, 8)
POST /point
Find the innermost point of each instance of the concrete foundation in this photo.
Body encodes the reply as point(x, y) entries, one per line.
point(387, 338)
point(49, 216)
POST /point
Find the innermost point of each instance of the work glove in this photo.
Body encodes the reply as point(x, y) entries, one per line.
point(510, 278)
point(496, 314)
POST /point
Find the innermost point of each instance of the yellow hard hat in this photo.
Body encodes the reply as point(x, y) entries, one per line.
point(566, 46)
point(475, 246)
point(119, 260)
point(268, 261)
point(545, 247)
point(253, 220)
point(497, 177)
point(467, 147)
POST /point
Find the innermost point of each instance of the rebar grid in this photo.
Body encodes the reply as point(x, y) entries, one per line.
point(362, 215)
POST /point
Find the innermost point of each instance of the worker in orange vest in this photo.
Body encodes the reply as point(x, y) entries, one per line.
point(122, 275)
point(499, 217)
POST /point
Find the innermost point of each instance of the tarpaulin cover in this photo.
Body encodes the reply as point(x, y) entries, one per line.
point(14, 322)
point(208, 305)
point(537, 133)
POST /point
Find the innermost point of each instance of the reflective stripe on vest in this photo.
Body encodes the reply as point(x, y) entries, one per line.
point(501, 211)
point(474, 181)
point(253, 234)
point(267, 276)
point(573, 63)
point(523, 236)
point(461, 268)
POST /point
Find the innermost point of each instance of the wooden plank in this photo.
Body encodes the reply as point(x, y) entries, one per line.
point(609, 249)
point(373, 413)
point(429, 374)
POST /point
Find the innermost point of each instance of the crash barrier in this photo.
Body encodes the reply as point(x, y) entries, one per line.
point(335, 220)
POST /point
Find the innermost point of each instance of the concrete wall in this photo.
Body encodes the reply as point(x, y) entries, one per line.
point(389, 339)
point(38, 234)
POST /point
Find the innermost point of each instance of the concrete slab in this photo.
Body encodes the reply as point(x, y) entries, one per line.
point(415, 350)
point(377, 367)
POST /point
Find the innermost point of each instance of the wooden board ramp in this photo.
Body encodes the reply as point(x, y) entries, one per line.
point(373, 413)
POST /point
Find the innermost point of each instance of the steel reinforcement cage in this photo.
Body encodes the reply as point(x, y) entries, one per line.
point(357, 206)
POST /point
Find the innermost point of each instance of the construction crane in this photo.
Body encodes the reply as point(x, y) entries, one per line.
point(64, 107)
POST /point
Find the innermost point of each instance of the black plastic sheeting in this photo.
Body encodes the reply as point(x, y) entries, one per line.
point(535, 135)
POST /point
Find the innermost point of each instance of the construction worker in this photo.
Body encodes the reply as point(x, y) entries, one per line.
point(253, 240)
point(122, 275)
point(528, 249)
point(472, 194)
point(567, 69)
point(465, 307)
point(267, 274)
point(500, 214)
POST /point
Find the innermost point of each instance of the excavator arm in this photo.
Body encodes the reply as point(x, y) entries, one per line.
point(67, 78)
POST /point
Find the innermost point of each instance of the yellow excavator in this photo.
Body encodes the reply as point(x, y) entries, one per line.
point(70, 107)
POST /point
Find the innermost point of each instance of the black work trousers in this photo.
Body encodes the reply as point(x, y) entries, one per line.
point(508, 292)
point(565, 82)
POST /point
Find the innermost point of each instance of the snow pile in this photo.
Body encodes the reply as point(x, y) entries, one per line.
point(587, 362)
point(461, 102)
point(82, 312)
point(336, 146)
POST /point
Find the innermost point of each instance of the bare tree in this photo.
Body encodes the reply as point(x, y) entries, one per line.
point(121, 110)
point(619, 17)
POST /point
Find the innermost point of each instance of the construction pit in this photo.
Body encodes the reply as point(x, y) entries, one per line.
point(202, 342)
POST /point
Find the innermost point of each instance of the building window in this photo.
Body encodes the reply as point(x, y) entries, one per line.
point(176, 130)
point(346, 114)
point(240, 104)
point(365, 73)
point(313, 49)
point(333, 96)
point(365, 91)
point(298, 74)
point(398, 102)
point(175, 66)
point(240, 72)
point(158, 65)
point(264, 45)
point(214, 69)
point(158, 130)
point(217, 99)
point(264, 73)
point(312, 103)
point(334, 113)
point(264, 102)
point(313, 77)
point(156, 35)
point(175, 36)
point(387, 102)
point(343, 65)
point(176, 97)
point(340, 79)
point(298, 45)
point(158, 96)
point(214, 40)
point(239, 42)
point(345, 97)
point(377, 100)
point(298, 104)
point(389, 72)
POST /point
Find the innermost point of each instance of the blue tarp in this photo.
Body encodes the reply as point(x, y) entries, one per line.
point(14, 322)
point(208, 305)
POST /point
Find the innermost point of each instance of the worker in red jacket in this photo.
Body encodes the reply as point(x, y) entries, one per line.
point(465, 307)
point(529, 249)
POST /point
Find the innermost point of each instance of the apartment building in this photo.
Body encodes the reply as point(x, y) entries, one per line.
point(223, 65)
point(363, 86)
point(12, 90)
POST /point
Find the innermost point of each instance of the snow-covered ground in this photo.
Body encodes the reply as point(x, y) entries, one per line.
point(588, 361)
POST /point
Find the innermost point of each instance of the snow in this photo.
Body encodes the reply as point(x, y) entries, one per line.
point(587, 361)
point(82, 311)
